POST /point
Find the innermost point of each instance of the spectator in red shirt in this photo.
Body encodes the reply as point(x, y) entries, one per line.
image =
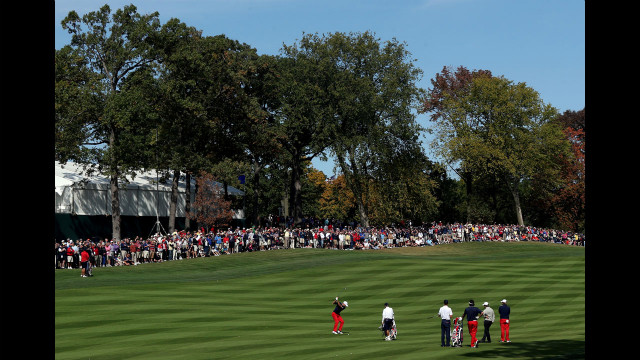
point(93, 259)
point(152, 251)
point(84, 261)
point(133, 249)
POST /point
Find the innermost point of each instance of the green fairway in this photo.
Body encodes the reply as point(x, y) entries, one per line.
point(277, 304)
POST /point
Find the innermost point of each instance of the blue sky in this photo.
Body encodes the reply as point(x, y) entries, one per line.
point(538, 42)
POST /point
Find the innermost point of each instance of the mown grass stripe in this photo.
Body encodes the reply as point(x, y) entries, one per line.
point(277, 304)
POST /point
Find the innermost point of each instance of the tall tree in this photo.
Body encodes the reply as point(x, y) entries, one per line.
point(181, 113)
point(261, 139)
point(448, 87)
point(567, 201)
point(503, 129)
point(116, 55)
point(208, 108)
point(374, 92)
point(304, 118)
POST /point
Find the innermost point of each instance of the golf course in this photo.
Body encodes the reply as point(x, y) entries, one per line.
point(277, 304)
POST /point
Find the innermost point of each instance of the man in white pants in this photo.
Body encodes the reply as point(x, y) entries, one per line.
point(387, 320)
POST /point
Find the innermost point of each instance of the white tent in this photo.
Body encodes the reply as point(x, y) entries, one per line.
point(141, 196)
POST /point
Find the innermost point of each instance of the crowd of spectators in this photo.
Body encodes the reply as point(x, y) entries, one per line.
point(182, 245)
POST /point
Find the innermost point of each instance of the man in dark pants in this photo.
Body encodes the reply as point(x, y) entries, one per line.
point(387, 320)
point(84, 261)
point(489, 317)
point(445, 314)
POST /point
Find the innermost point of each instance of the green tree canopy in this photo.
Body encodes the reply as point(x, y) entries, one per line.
point(305, 117)
point(500, 129)
point(206, 108)
point(105, 91)
point(374, 93)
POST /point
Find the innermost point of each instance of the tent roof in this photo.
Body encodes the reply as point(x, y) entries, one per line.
point(70, 173)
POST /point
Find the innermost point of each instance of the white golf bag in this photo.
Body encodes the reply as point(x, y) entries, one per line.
point(393, 332)
point(456, 332)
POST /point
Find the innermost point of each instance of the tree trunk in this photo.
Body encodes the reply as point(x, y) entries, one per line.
point(364, 218)
point(195, 190)
point(173, 205)
point(295, 199)
point(115, 206)
point(516, 202)
point(115, 196)
point(187, 201)
point(468, 182)
point(351, 177)
point(256, 193)
point(358, 176)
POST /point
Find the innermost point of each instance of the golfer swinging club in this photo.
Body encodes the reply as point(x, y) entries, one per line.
point(337, 319)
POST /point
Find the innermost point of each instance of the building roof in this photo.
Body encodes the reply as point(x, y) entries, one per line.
point(70, 174)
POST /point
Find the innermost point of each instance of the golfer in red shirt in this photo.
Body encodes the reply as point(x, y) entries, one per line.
point(84, 261)
point(337, 318)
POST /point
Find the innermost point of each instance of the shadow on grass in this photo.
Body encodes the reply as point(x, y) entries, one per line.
point(552, 349)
